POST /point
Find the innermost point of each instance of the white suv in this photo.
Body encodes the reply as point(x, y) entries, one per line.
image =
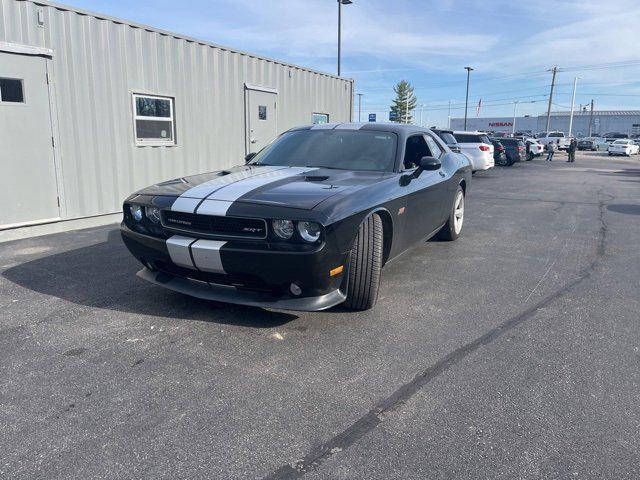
point(478, 149)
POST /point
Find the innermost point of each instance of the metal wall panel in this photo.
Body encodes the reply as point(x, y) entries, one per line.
point(98, 62)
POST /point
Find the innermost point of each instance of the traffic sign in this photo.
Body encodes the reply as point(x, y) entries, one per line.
point(372, 117)
point(393, 116)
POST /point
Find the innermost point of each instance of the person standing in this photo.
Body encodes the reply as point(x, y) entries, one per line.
point(551, 149)
point(573, 145)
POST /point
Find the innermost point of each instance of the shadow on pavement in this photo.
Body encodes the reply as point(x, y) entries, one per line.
point(104, 276)
point(627, 208)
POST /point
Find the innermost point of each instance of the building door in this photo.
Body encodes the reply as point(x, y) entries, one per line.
point(262, 120)
point(28, 189)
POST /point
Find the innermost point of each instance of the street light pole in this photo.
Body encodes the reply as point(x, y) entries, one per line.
point(513, 125)
point(466, 102)
point(573, 102)
point(359, 105)
point(340, 3)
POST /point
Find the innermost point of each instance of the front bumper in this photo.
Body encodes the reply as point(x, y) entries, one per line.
point(248, 273)
point(230, 294)
point(484, 162)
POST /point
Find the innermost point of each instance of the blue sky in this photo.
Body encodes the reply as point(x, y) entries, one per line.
point(510, 44)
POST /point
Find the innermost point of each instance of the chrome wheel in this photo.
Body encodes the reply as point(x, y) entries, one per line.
point(458, 212)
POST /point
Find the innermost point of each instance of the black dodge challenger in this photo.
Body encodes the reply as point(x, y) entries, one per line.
point(307, 223)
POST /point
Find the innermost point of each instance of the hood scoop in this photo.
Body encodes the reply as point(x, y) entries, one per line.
point(317, 178)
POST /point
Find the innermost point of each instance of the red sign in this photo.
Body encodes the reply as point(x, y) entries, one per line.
point(501, 124)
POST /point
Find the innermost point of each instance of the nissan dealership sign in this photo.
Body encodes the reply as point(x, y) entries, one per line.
point(501, 124)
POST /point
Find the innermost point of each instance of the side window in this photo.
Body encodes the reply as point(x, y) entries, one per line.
point(415, 150)
point(153, 120)
point(436, 151)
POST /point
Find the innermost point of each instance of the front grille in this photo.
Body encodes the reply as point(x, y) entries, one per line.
point(215, 226)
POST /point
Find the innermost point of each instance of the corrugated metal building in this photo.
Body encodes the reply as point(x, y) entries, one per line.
point(603, 121)
point(93, 108)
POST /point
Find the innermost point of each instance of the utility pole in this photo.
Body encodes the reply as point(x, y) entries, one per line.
point(591, 117)
point(466, 102)
point(553, 83)
point(359, 105)
point(513, 125)
point(573, 101)
point(449, 116)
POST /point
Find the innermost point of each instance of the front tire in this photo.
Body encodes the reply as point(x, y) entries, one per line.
point(365, 265)
point(452, 229)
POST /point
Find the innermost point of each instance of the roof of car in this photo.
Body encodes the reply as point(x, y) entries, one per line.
point(380, 127)
point(471, 132)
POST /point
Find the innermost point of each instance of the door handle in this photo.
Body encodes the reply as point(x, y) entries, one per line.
point(253, 140)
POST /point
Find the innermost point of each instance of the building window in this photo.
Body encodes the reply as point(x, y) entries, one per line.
point(318, 118)
point(262, 112)
point(154, 122)
point(11, 90)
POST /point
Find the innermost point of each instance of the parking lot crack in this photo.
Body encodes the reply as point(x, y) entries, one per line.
point(374, 417)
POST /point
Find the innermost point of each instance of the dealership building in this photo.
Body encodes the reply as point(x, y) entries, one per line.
point(93, 108)
point(603, 121)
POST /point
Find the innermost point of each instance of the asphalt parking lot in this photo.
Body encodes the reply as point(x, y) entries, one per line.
point(511, 353)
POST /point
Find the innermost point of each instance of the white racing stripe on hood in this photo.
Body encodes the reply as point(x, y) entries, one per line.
point(234, 191)
point(214, 207)
point(187, 205)
point(206, 188)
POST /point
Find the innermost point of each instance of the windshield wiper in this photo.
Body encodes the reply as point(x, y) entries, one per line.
point(325, 166)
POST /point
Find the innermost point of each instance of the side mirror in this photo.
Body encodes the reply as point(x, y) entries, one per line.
point(429, 163)
point(249, 156)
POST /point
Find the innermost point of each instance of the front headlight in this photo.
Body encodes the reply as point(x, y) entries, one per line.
point(136, 212)
point(283, 228)
point(153, 214)
point(309, 231)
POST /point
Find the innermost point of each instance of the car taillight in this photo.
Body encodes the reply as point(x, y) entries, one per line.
point(484, 148)
point(520, 149)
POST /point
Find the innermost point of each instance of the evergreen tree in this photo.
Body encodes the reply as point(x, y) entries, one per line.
point(404, 93)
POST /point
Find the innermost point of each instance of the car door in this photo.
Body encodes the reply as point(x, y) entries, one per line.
point(448, 185)
point(423, 194)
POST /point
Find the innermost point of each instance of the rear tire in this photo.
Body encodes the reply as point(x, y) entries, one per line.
point(452, 229)
point(365, 265)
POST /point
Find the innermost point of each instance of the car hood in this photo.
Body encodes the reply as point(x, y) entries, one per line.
point(296, 187)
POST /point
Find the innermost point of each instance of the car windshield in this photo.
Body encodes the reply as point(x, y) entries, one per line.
point(621, 142)
point(341, 149)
